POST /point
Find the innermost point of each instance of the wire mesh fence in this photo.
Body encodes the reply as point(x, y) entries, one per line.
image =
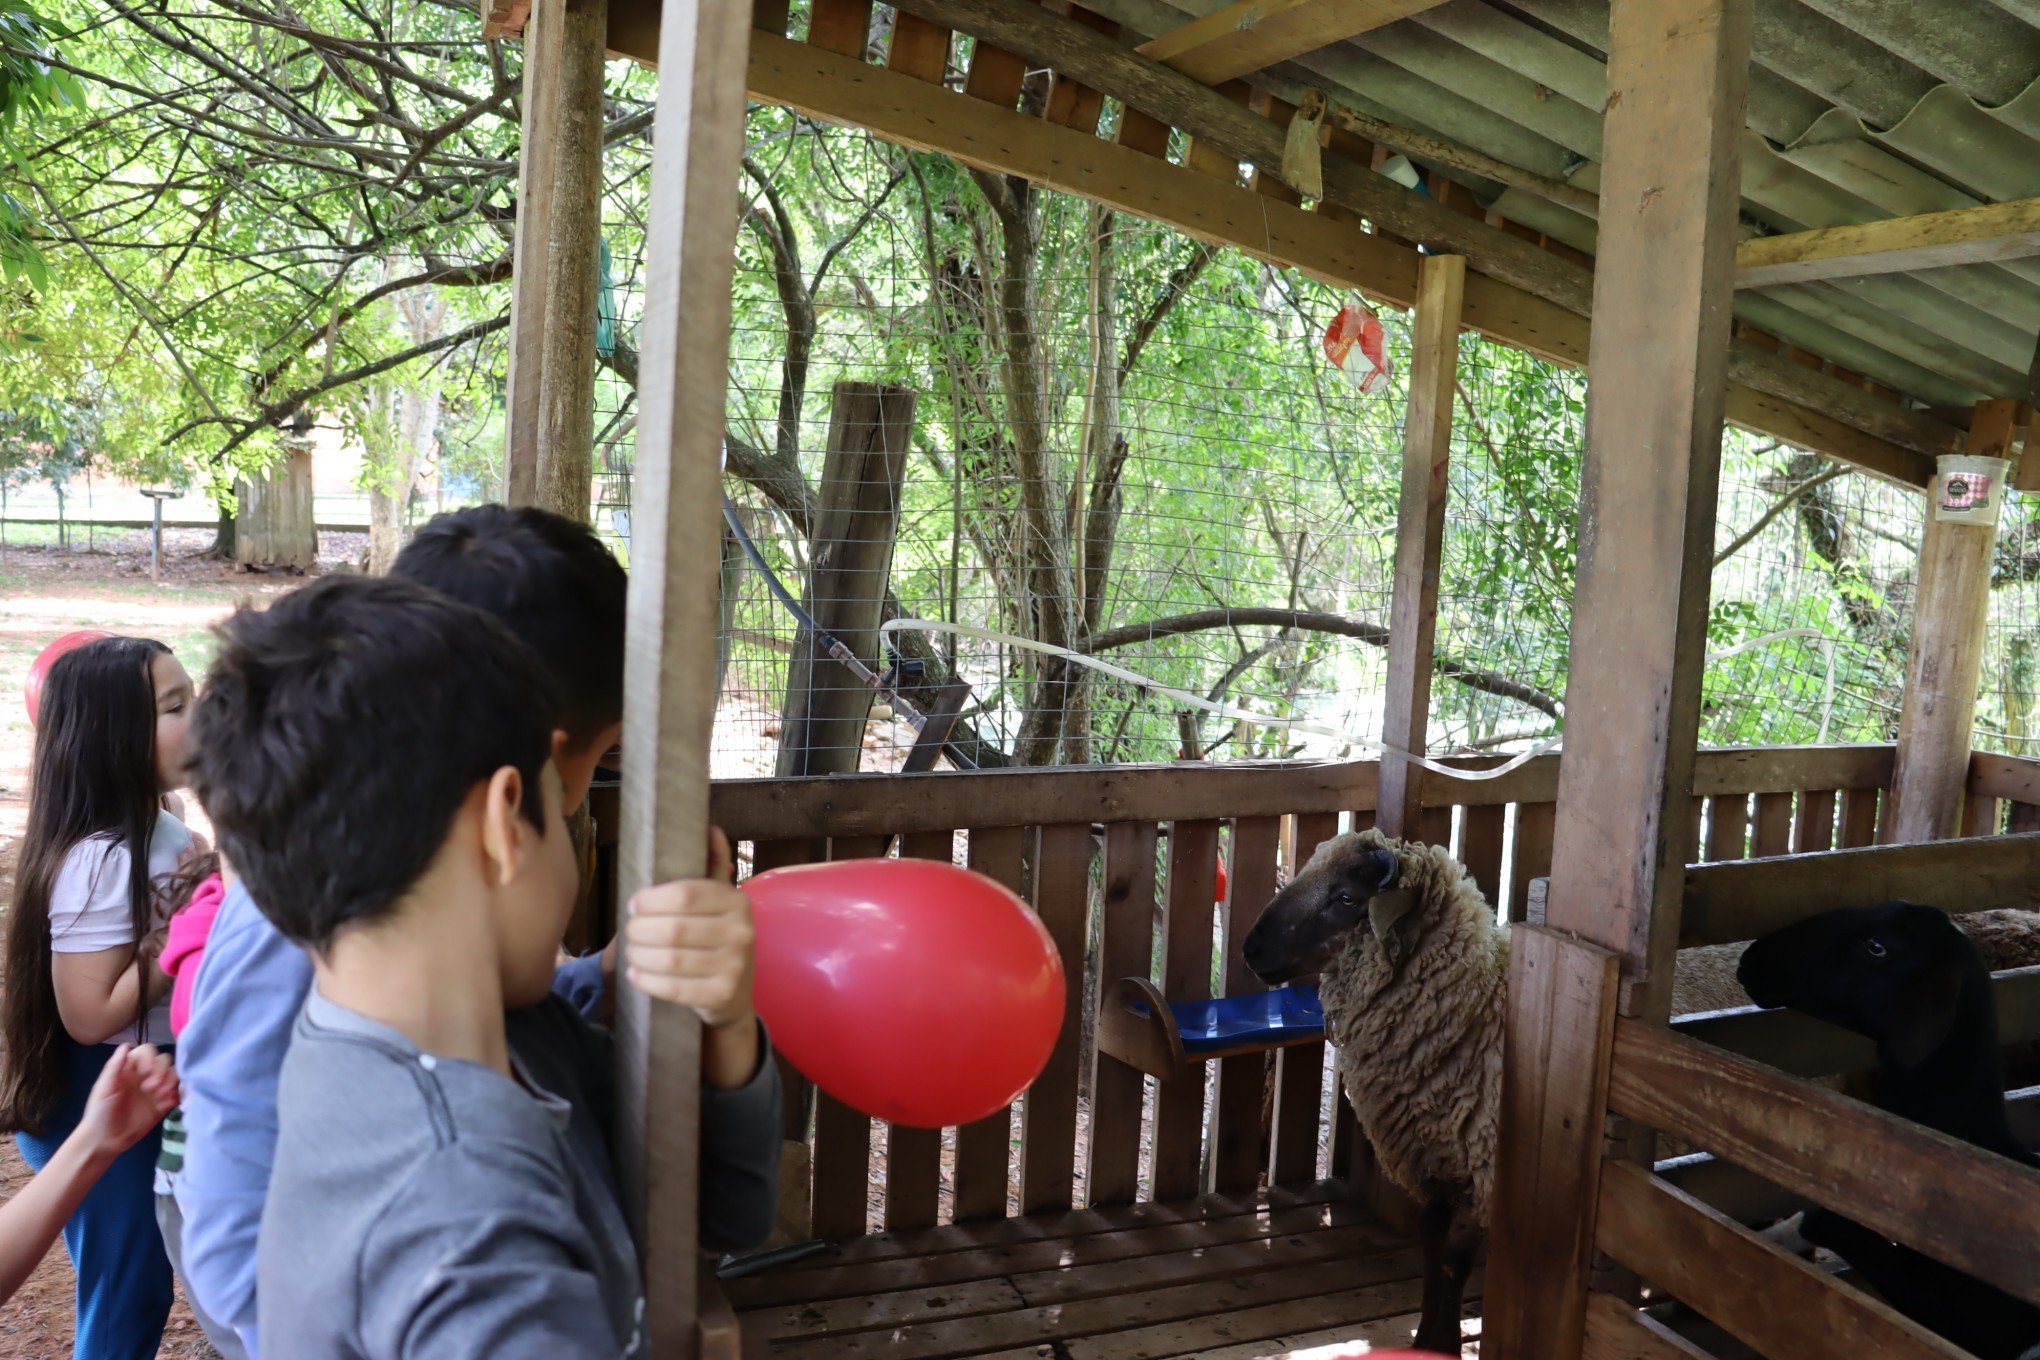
point(1131, 446)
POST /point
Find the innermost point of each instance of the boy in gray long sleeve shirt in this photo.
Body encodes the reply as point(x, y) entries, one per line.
point(442, 1185)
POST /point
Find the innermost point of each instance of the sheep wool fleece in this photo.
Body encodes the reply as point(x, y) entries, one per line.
point(1420, 1040)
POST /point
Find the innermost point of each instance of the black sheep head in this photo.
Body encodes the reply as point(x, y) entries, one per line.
point(1892, 973)
point(1351, 880)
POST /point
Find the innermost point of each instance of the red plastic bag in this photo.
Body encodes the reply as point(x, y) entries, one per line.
point(1357, 347)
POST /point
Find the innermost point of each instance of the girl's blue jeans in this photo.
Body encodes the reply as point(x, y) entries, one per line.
point(124, 1289)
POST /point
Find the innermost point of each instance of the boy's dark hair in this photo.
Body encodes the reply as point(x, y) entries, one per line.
point(341, 729)
point(551, 582)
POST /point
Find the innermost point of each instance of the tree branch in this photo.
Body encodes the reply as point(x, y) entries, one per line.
point(1783, 504)
point(1172, 292)
point(1314, 621)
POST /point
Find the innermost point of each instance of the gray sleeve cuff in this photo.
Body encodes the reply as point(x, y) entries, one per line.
point(740, 1138)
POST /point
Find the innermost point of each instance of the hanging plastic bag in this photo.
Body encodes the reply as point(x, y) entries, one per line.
point(1358, 347)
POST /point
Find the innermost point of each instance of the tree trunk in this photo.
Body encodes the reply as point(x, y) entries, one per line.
point(223, 535)
point(416, 436)
point(1101, 441)
point(276, 527)
point(566, 381)
point(826, 707)
point(1044, 560)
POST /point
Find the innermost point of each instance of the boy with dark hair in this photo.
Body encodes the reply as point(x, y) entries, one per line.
point(442, 1185)
point(554, 585)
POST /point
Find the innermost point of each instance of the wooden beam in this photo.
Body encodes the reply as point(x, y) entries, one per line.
point(1052, 40)
point(1617, 1331)
point(1743, 899)
point(1712, 1263)
point(1411, 142)
point(1974, 1210)
point(1420, 538)
point(566, 378)
point(885, 804)
point(1994, 231)
point(1678, 73)
point(1944, 659)
point(984, 133)
point(1678, 82)
point(669, 677)
point(1805, 1047)
point(1252, 35)
point(537, 150)
point(1560, 1027)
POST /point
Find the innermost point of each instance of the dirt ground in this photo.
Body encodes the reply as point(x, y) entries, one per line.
point(46, 592)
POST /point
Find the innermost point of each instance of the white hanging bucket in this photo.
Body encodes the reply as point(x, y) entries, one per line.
point(1968, 489)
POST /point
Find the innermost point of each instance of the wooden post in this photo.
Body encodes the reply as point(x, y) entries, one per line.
point(566, 374)
point(669, 700)
point(1678, 76)
point(274, 525)
point(536, 144)
point(1420, 538)
point(822, 719)
point(1946, 656)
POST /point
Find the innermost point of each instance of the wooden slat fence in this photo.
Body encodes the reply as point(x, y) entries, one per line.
point(1120, 862)
point(1734, 1084)
point(2003, 795)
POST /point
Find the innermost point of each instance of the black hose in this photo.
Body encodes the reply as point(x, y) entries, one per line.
point(826, 641)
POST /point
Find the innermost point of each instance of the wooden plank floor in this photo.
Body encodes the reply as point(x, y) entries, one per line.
point(1143, 1282)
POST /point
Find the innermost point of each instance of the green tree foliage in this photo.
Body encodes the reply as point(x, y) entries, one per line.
point(33, 88)
point(1127, 442)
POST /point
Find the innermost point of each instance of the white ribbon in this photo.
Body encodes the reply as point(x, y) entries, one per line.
point(1233, 714)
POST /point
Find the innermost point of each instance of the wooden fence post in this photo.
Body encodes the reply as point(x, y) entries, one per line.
point(572, 266)
point(1678, 76)
point(1420, 538)
point(1946, 656)
point(826, 706)
point(536, 145)
point(669, 701)
point(274, 522)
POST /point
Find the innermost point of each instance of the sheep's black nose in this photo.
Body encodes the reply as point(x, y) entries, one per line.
point(1254, 949)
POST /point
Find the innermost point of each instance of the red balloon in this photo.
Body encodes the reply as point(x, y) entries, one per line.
point(39, 669)
point(908, 989)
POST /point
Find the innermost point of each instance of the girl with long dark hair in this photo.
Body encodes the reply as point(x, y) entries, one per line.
point(79, 970)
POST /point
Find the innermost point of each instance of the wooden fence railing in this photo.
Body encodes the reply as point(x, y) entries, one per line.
point(2003, 795)
point(1120, 863)
point(1778, 1141)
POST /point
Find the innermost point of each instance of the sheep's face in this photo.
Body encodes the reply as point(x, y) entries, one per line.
point(1891, 972)
point(1333, 895)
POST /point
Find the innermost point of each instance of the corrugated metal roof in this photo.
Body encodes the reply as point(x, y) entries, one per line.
point(1859, 110)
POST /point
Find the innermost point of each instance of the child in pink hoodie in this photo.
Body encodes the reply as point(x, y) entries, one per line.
point(184, 944)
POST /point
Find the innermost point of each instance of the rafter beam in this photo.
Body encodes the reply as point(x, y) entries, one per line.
point(1252, 35)
point(1048, 39)
point(927, 117)
point(1995, 231)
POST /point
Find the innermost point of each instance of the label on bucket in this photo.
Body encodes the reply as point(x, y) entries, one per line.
point(1965, 491)
point(1970, 487)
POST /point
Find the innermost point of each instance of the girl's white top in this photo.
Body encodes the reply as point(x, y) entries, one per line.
point(89, 908)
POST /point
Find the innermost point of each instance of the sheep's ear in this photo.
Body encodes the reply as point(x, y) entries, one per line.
point(1922, 1015)
point(1384, 909)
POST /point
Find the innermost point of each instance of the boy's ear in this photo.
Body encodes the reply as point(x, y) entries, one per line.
point(503, 824)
